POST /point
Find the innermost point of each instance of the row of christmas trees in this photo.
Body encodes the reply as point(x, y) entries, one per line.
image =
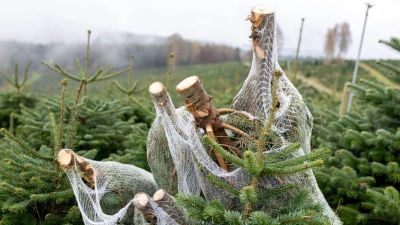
point(363, 173)
point(33, 188)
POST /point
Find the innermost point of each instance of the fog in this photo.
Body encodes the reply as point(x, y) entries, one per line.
point(221, 22)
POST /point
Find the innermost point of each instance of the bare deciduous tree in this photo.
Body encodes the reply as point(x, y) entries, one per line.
point(337, 39)
point(344, 39)
point(329, 45)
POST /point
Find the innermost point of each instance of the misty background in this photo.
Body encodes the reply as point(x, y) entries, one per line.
point(198, 32)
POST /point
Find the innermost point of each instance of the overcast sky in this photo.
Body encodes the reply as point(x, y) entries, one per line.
point(219, 21)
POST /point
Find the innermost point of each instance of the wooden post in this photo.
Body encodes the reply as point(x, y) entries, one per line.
point(297, 54)
point(345, 99)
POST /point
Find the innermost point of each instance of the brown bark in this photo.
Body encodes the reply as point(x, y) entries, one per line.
point(158, 156)
point(198, 103)
point(67, 159)
point(262, 20)
point(223, 111)
point(168, 204)
point(158, 93)
point(259, 14)
point(142, 203)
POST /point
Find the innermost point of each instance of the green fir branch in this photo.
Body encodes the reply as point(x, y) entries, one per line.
point(113, 75)
point(259, 217)
point(65, 194)
point(97, 74)
point(7, 79)
point(120, 87)
point(64, 84)
point(29, 166)
point(19, 207)
point(75, 112)
point(250, 163)
point(81, 72)
point(248, 195)
point(316, 154)
point(274, 192)
point(25, 74)
point(389, 66)
point(374, 85)
point(393, 43)
point(214, 211)
point(44, 185)
point(292, 169)
point(233, 217)
point(16, 83)
point(278, 156)
point(65, 73)
point(24, 145)
point(21, 192)
point(222, 184)
point(141, 106)
point(227, 155)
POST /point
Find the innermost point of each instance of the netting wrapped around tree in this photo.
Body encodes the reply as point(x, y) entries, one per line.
point(292, 123)
point(267, 105)
point(105, 190)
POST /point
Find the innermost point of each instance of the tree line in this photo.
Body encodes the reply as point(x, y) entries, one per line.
point(118, 54)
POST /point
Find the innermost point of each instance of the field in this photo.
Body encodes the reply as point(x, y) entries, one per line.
point(317, 81)
point(110, 128)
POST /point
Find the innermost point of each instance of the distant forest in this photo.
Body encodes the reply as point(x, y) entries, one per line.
point(104, 54)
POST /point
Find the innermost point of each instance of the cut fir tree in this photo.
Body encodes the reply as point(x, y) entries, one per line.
point(261, 175)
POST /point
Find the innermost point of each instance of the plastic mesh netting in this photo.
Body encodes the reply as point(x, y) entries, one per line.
point(110, 202)
point(175, 146)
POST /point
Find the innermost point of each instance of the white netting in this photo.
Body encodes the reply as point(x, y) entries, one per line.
point(115, 186)
point(174, 142)
point(292, 123)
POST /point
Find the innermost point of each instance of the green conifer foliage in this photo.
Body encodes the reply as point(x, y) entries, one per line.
point(12, 101)
point(363, 170)
point(300, 208)
point(256, 204)
point(33, 189)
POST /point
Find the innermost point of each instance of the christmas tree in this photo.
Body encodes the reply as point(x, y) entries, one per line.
point(33, 187)
point(363, 174)
point(248, 164)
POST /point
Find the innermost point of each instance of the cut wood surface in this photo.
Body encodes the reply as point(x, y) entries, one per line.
point(142, 203)
point(198, 103)
point(258, 12)
point(168, 204)
point(263, 36)
point(67, 159)
point(259, 15)
point(158, 92)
